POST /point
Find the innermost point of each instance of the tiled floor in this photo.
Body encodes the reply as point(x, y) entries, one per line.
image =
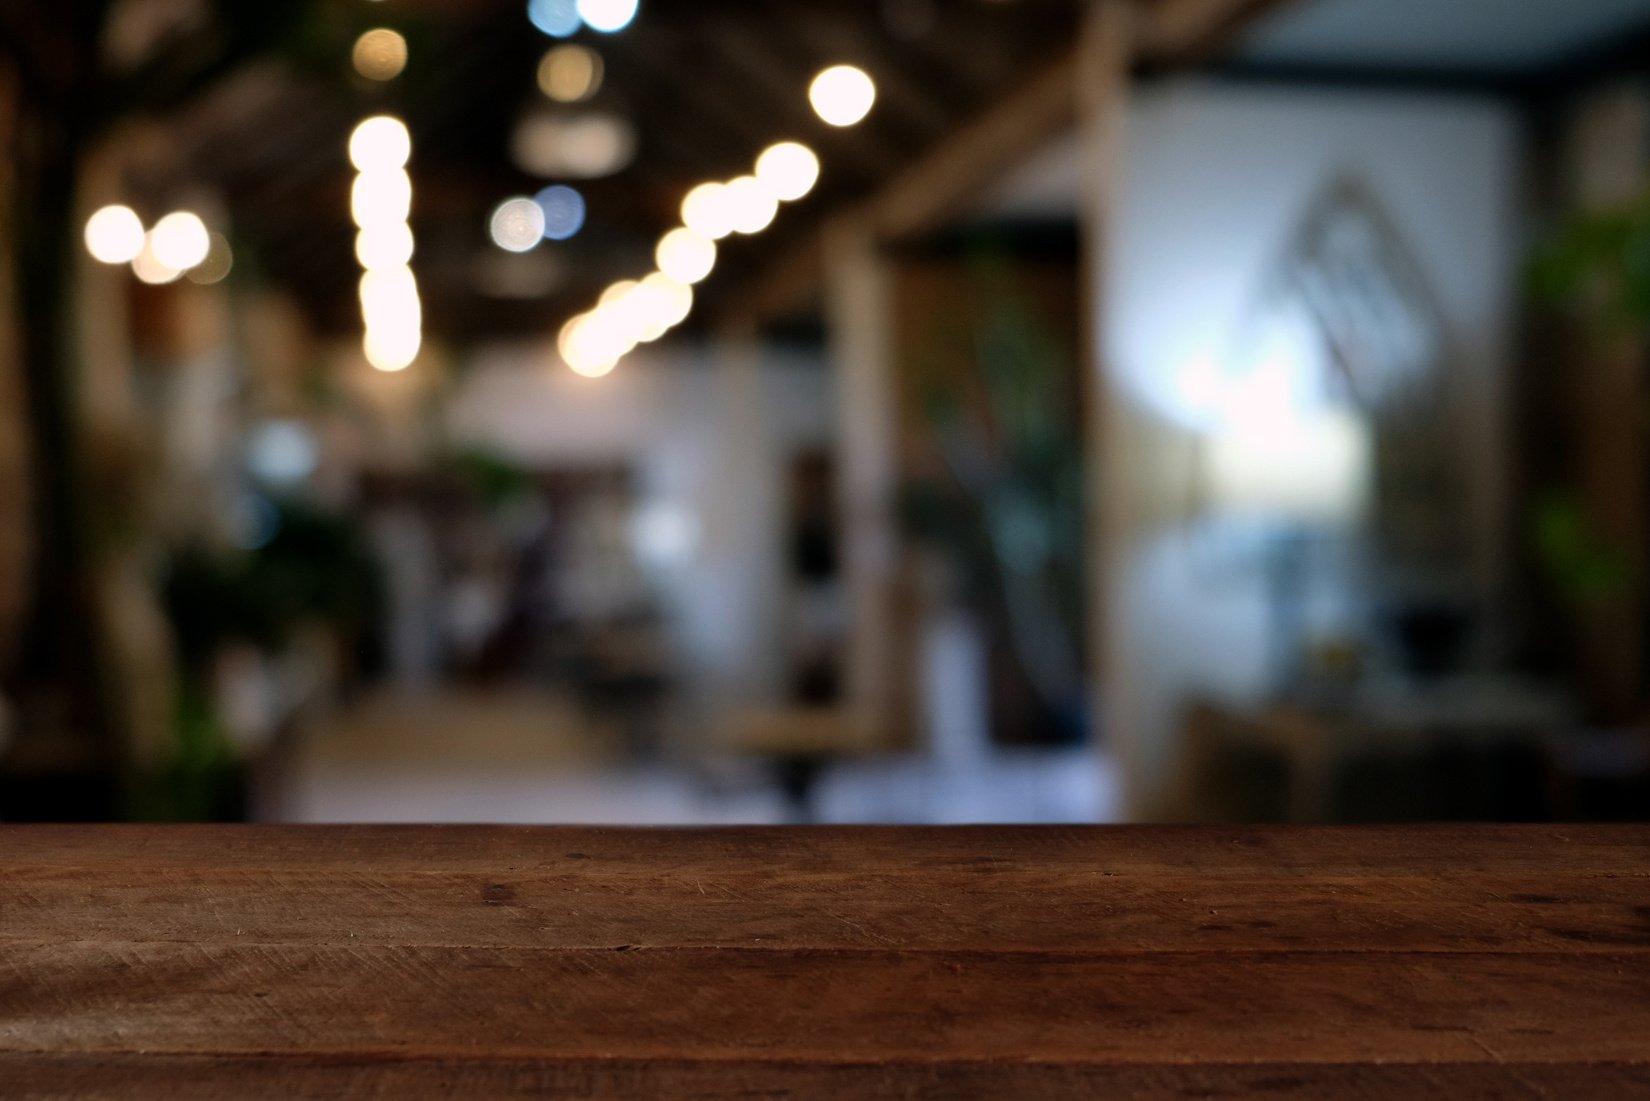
point(523, 757)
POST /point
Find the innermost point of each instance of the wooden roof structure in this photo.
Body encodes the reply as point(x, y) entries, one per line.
point(706, 84)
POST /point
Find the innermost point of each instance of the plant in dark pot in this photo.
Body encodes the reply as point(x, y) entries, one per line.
point(310, 569)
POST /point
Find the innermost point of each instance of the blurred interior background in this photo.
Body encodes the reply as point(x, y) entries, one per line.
point(847, 411)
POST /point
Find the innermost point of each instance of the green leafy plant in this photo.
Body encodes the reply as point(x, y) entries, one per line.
point(1006, 506)
point(1595, 268)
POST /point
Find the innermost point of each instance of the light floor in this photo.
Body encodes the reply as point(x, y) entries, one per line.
point(522, 757)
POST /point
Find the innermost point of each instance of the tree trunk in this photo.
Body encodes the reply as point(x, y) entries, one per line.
point(57, 678)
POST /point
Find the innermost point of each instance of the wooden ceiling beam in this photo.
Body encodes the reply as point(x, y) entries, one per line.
point(948, 179)
point(939, 185)
point(1188, 32)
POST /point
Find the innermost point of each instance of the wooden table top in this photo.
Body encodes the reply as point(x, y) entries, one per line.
point(252, 962)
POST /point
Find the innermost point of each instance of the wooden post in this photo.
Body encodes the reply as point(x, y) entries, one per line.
point(1105, 50)
point(1608, 159)
point(859, 313)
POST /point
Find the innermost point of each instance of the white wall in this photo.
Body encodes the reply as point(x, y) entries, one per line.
point(1217, 178)
point(707, 438)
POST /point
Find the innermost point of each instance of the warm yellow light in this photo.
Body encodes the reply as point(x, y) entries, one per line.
point(752, 205)
point(388, 245)
point(685, 256)
point(616, 292)
point(389, 300)
point(148, 267)
point(219, 260)
point(651, 307)
point(392, 349)
point(708, 212)
point(676, 301)
point(381, 142)
point(114, 235)
point(180, 240)
point(381, 197)
point(380, 54)
point(789, 170)
point(842, 95)
point(570, 74)
point(591, 345)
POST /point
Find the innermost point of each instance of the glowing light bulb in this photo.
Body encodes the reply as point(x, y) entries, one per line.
point(616, 292)
point(842, 95)
point(570, 74)
point(676, 300)
point(685, 256)
point(381, 197)
point(707, 211)
point(180, 241)
point(789, 170)
point(752, 205)
point(556, 18)
point(389, 300)
point(517, 225)
point(591, 345)
point(607, 16)
point(114, 235)
point(381, 142)
point(386, 245)
point(380, 54)
point(648, 309)
point(148, 268)
point(563, 210)
point(391, 349)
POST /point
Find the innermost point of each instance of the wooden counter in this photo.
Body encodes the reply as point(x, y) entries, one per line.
point(252, 962)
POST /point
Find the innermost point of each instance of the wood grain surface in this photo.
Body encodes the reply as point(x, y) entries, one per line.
point(1146, 962)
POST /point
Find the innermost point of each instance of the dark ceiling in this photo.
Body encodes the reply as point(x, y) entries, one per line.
point(707, 85)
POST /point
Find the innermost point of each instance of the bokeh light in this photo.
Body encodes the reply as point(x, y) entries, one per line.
point(381, 197)
point(282, 451)
point(581, 146)
point(380, 54)
point(564, 211)
point(592, 345)
point(392, 349)
point(788, 170)
point(751, 204)
point(647, 309)
point(607, 16)
point(389, 299)
point(685, 256)
point(380, 142)
point(556, 18)
point(677, 300)
point(707, 211)
point(148, 268)
point(842, 95)
point(179, 240)
point(570, 74)
point(220, 258)
point(386, 245)
point(616, 292)
point(394, 318)
point(516, 225)
point(114, 235)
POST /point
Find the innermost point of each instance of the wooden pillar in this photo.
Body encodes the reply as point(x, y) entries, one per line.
point(1105, 56)
point(16, 506)
point(1609, 159)
point(860, 322)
